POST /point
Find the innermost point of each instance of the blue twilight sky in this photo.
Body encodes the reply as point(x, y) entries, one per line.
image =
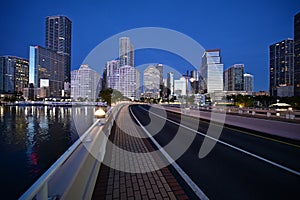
point(243, 30)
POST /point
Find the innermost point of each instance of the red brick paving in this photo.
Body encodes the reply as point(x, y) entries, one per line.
point(115, 184)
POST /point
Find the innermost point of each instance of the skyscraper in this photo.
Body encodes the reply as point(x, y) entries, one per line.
point(211, 71)
point(234, 78)
point(58, 39)
point(112, 74)
point(126, 52)
point(129, 82)
point(248, 83)
point(46, 70)
point(85, 83)
point(282, 68)
point(194, 81)
point(170, 82)
point(161, 82)
point(152, 82)
point(297, 54)
point(7, 78)
point(13, 74)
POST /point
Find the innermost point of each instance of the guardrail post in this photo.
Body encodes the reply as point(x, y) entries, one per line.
point(43, 193)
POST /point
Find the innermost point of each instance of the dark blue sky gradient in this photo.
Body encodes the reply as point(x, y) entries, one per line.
point(243, 30)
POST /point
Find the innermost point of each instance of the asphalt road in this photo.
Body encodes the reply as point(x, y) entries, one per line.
point(243, 164)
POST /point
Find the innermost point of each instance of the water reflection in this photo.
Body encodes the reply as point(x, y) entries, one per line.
point(32, 138)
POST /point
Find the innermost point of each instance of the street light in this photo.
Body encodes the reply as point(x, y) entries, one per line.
point(100, 114)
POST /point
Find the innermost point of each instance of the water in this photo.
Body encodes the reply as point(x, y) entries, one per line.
point(32, 139)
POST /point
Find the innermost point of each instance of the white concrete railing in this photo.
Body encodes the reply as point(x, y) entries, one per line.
point(40, 189)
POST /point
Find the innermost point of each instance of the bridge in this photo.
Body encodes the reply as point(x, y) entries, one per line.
point(141, 151)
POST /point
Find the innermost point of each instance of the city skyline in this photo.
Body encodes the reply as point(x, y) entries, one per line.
point(242, 36)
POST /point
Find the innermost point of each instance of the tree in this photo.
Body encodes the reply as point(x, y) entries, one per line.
point(111, 96)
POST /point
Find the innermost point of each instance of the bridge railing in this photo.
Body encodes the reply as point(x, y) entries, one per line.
point(40, 189)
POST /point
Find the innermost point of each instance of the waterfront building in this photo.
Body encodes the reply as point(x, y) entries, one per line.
point(46, 70)
point(281, 67)
point(13, 74)
point(58, 39)
point(85, 84)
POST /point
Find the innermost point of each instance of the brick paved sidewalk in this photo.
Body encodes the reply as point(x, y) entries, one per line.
point(119, 182)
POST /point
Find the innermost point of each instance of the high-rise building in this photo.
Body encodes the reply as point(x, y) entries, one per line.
point(46, 71)
point(112, 73)
point(297, 54)
point(152, 82)
point(125, 79)
point(282, 68)
point(170, 82)
point(194, 80)
point(161, 82)
point(126, 52)
point(248, 83)
point(129, 82)
point(13, 74)
point(7, 78)
point(234, 78)
point(58, 39)
point(85, 84)
point(180, 87)
point(211, 71)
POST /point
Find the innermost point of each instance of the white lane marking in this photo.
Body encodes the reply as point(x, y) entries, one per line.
point(233, 147)
point(180, 171)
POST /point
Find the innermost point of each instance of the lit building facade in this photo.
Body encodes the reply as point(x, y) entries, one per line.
point(152, 82)
point(281, 67)
point(46, 70)
point(248, 83)
point(112, 73)
point(211, 71)
point(85, 84)
point(297, 54)
point(13, 74)
point(58, 39)
point(129, 82)
point(234, 78)
point(126, 52)
point(125, 79)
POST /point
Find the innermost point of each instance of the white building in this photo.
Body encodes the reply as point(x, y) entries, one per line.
point(151, 82)
point(248, 83)
point(112, 73)
point(211, 71)
point(180, 87)
point(170, 82)
point(85, 83)
point(129, 83)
